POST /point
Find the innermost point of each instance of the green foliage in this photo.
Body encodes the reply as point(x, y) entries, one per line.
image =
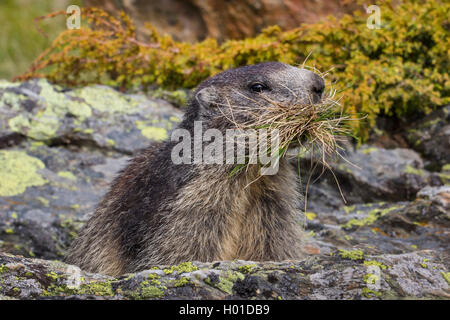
point(396, 70)
point(21, 41)
point(357, 254)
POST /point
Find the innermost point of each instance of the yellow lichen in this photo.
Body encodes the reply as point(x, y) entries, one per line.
point(19, 171)
point(310, 215)
point(155, 133)
point(67, 175)
point(352, 254)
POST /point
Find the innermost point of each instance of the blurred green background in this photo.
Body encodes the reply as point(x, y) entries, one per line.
point(20, 41)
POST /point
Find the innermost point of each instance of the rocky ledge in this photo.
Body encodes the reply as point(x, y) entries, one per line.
point(340, 275)
point(60, 148)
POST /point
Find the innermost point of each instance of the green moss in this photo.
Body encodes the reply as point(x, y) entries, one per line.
point(7, 84)
point(371, 278)
point(349, 209)
point(18, 171)
point(12, 100)
point(9, 231)
point(153, 276)
point(446, 167)
point(55, 105)
point(55, 290)
point(150, 292)
point(375, 263)
point(423, 264)
point(247, 268)
point(151, 132)
point(368, 293)
point(369, 150)
point(67, 175)
point(154, 133)
point(44, 201)
point(445, 275)
point(52, 275)
point(3, 268)
point(100, 288)
point(155, 282)
point(431, 123)
point(155, 290)
point(226, 285)
point(352, 254)
point(106, 100)
point(181, 282)
point(411, 170)
point(310, 215)
point(181, 268)
point(226, 281)
point(88, 131)
point(371, 217)
point(445, 178)
point(66, 222)
point(14, 215)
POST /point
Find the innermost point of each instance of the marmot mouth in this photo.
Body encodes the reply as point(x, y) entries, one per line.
point(315, 127)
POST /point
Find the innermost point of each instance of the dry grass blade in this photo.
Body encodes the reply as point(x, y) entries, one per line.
point(314, 128)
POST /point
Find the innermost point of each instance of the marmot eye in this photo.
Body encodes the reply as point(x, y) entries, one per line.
point(258, 87)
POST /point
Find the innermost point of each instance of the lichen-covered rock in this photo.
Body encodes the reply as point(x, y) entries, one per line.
point(339, 275)
point(371, 174)
point(60, 149)
point(97, 116)
point(46, 193)
point(386, 227)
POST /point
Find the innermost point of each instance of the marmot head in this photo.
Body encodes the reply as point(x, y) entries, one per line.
point(241, 93)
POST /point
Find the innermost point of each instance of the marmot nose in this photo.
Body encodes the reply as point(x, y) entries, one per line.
point(317, 87)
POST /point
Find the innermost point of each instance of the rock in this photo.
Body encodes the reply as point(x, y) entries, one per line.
point(56, 162)
point(63, 149)
point(387, 211)
point(197, 19)
point(45, 194)
point(431, 137)
point(431, 192)
point(384, 227)
point(370, 174)
point(95, 116)
point(341, 275)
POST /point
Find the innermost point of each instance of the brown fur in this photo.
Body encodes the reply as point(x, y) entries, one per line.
point(157, 212)
point(227, 220)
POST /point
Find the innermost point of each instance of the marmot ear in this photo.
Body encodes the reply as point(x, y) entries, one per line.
point(207, 97)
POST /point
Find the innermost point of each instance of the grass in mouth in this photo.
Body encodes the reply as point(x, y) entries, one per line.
point(314, 129)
